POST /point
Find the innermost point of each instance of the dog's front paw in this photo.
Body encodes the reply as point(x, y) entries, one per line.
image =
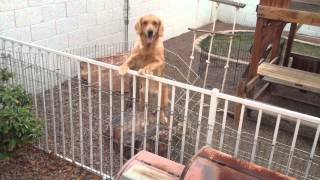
point(141, 71)
point(145, 71)
point(123, 70)
point(164, 120)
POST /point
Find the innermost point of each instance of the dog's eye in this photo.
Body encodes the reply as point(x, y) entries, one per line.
point(144, 23)
point(154, 23)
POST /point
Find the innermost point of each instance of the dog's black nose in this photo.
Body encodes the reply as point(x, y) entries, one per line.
point(150, 34)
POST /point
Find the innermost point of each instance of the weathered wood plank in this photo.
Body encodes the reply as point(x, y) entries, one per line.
point(292, 33)
point(290, 77)
point(231, 3)
point(262, 91)
point(289, 15)
point(252, 82)
point(291, 93)
point(212, 32)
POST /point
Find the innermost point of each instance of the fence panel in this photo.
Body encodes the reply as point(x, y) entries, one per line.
point(87, 121)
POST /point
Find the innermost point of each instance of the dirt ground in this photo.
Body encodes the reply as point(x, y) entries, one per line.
point(31, 163)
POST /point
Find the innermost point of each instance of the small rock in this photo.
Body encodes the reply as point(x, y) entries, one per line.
point(33, 163)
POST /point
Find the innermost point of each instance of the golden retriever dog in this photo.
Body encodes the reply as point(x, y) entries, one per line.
point(147, 57)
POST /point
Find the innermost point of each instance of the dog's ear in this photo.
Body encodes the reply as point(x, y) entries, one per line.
point(161, 28)
point(137, 27)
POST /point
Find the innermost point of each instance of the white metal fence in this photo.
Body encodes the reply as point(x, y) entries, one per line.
point(90, 125)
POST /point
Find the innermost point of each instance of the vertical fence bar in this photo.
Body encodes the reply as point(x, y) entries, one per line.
point(27, 71)
point(134, 87)
point(216, 5)
point(158, 118)
point(61, 107)
point(100, 119)
point(196, 148)
point(212, 115)
point(173, 94)
point(34, 87)
point(80, 113)
point(70, 109)
point(53, 110)
point(184, 130)
point(146, 97)
point(2, 45)
point(12, 58)
point(110, 122)
point(90, 114)
point(17, 64)
point(224, 121)
point(313, 149)
point(22, 67)
point(239, 131)
point(42, 77)
point(256, 136)
point(274, 140)
point(293, 145)
point(226, 67)
point(121, 119)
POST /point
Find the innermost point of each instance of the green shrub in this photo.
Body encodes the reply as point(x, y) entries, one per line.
point(18, 125)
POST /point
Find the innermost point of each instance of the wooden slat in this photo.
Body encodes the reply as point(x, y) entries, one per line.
point(252, 82)
point(231, 3)
point(262, 91)
point(290, 77)
point(289, 15)
point(212, 32)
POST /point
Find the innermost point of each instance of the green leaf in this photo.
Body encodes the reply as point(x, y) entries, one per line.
point(4, 156)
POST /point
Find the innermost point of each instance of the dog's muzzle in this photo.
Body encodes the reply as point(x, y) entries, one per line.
point(150, 34)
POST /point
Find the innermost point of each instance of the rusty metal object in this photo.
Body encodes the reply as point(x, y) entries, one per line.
point(146, 165)
point(213, 164)
point(115, 60)
point(206, 164)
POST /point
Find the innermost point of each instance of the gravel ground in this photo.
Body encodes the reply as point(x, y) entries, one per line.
point(31, 163)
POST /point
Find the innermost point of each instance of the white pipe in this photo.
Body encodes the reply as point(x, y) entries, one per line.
point(173, 95)
point(184, 130)
point(226, 67)
point(158, 118)
point(211, 41)
point(212, 115)
point(194, 39)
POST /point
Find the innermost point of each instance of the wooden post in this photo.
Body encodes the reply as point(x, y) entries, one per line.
point(292, 33)
point(256, 53)
point(276, 41)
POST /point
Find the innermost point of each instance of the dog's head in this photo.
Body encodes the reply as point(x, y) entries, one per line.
point(149, 27)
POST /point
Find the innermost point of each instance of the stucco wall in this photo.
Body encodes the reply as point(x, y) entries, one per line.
point(62, 24)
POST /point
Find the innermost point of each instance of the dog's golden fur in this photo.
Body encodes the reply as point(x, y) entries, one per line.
point(147, 57)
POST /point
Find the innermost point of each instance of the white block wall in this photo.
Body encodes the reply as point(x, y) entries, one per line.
point(63, 24)
point(177, 15)
point(247, 16)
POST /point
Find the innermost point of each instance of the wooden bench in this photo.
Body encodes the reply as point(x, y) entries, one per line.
point(290, 77)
